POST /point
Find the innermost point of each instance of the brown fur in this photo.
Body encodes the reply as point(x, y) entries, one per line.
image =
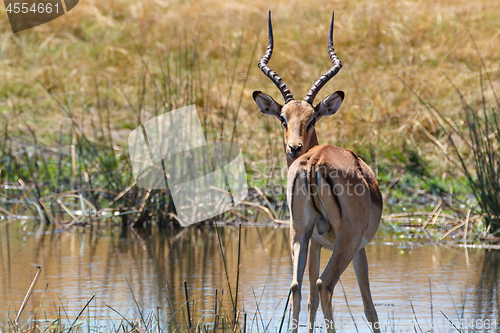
point(335, 202)
point(333, 196)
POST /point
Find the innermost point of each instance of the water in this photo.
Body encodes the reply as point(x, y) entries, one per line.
point(151, 266)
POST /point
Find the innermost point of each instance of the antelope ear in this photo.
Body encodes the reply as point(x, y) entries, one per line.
point(267, 105)
point(329, 105)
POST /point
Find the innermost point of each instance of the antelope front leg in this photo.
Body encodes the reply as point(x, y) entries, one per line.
point(314, 260)
point(361, 268)
point(299, 258)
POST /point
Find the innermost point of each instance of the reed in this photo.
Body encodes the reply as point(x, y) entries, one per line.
point(82, 176)
point(71, 90)
point(474, 140)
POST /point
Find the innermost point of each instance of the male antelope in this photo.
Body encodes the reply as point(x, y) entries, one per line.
point(333, 195)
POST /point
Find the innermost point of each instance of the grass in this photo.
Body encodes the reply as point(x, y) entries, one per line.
point(478, 155)
point(73, 89)
point(155, 323)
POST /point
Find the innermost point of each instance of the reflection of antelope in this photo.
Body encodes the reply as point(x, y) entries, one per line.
point(333, 195)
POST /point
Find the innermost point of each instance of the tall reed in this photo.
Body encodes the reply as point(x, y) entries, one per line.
point(476, 143)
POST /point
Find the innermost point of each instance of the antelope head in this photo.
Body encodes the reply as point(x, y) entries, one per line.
point(298, 118)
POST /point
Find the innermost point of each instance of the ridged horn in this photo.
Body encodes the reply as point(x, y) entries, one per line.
point(337, 65)
point(287, 95)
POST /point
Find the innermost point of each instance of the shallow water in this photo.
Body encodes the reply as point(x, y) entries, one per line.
point(118, 267)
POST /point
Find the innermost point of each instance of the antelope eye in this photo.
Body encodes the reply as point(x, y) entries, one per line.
point(283, 121)
point(311, 123)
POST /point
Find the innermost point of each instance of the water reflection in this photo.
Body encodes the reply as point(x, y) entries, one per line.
point(152, 265)
point(487, 293)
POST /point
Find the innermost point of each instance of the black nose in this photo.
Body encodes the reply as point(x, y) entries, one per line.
point(294, 149)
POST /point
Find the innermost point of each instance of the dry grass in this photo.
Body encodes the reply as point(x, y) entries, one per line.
point(377, 41)
point(109, 46)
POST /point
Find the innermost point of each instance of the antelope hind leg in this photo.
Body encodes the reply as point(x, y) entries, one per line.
point(361, 268)
point(343, 253)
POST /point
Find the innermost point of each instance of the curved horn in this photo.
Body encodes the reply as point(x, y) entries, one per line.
point(337, 65)
point(269, 72)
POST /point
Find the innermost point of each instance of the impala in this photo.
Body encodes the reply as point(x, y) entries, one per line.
point(334, 198)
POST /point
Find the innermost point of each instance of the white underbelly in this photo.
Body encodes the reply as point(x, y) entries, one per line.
point(327, 240)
